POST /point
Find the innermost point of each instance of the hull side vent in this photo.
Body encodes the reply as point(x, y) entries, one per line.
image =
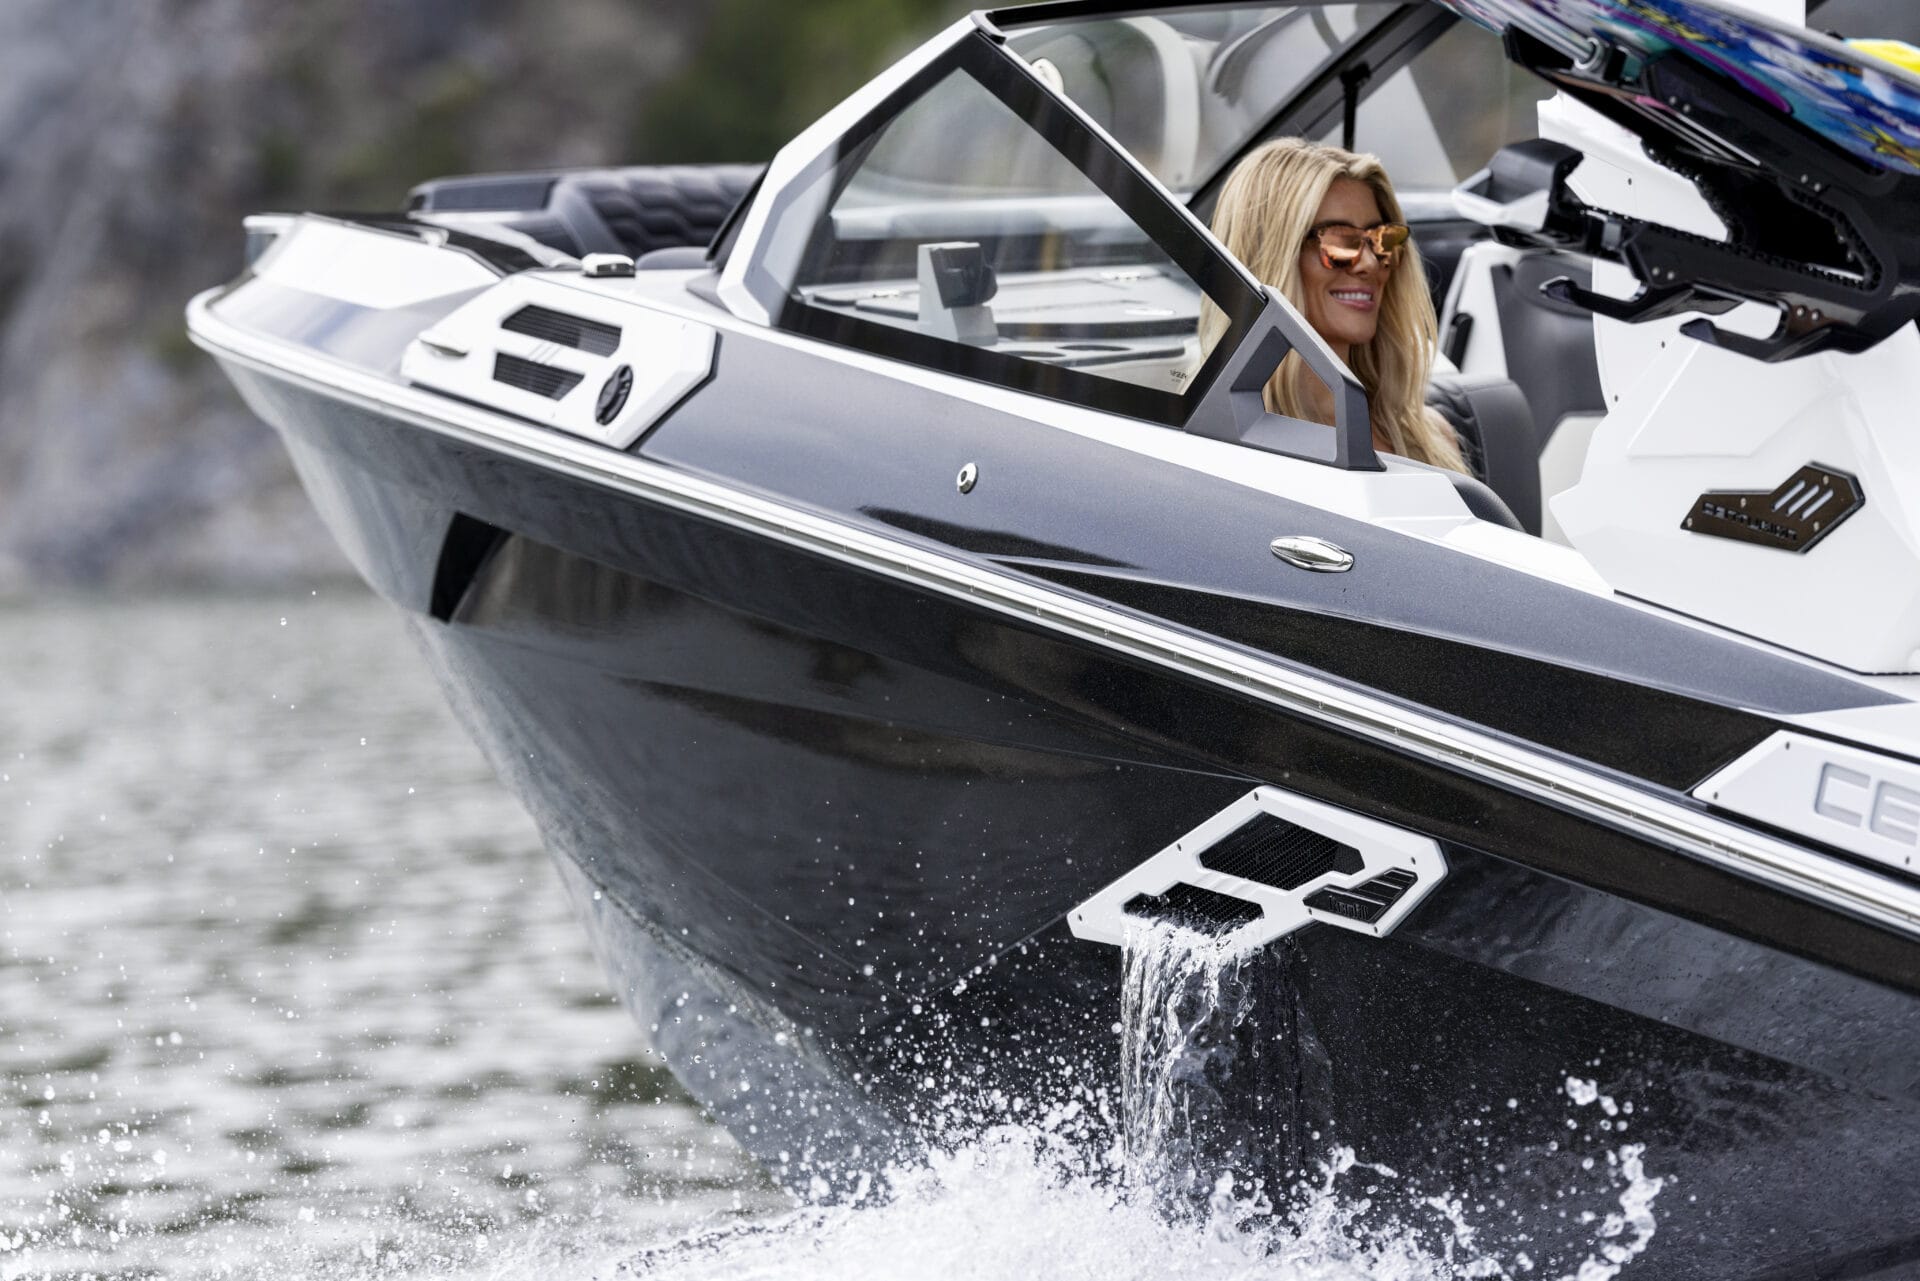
point(577, 332)
point(469, 546)
point(1207, 911)
point(1274, 852)
point(1266, 865)
point(530, 375)
point(1366, 902)
point(597, 366)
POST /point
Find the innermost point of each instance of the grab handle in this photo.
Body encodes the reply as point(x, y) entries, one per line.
point(1235, 408)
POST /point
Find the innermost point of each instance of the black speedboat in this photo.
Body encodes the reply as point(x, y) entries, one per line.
point(886, 607)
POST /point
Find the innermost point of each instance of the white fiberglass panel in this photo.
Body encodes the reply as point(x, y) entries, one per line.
point(599, 368)
point(368, 268)
point(1856, 800)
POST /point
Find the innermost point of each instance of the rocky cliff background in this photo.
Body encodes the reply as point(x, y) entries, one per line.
point(134, 137)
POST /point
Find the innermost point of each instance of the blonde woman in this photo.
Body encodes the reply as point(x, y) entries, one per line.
point(1323, 227)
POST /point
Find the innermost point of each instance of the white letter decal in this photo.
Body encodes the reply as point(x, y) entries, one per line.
point(1896, 814)
point(1826, 808)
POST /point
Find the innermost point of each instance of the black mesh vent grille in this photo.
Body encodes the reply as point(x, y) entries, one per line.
point(1368, 902)
point(531, 375)
point(1194, 908)
point(1275, 852)
point(578, 332)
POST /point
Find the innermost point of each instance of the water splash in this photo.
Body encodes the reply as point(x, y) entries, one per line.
point(1185, 1000)
point(1017, 1203)
point(1182, 996)
point(1163, 1199)
point(1027, 1196)
point(1626, 1233)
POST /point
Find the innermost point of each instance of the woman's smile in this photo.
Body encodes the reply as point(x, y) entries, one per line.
point(1343, 304)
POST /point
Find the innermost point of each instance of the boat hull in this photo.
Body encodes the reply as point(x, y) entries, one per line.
point(825, 828)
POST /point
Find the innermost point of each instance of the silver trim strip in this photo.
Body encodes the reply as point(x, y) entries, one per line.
point(1519, 769)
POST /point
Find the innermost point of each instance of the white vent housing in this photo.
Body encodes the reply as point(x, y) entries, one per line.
point(1374, 876)
point(603, 368)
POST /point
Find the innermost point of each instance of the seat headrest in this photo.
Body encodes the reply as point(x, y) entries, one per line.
point(1495, 424)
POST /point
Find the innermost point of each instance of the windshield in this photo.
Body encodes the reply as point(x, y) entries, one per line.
point(1184, 91)
point(1006, 247)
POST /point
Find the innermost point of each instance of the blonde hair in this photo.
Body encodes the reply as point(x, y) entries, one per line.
point(1265, 211)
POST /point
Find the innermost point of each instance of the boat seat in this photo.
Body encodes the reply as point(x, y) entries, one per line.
point(1549, 343)
point(661, 206)
point(1496, 430)
point(633, 211)
point(1498, 321)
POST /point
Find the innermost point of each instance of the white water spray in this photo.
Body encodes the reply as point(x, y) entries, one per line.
point(1181, 995)
point(1018, 1190)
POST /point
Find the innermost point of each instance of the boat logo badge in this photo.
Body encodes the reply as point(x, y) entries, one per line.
point(1806, 507)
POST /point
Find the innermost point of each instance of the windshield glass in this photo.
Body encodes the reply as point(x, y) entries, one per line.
point(1003, 246)
point(1182, 91)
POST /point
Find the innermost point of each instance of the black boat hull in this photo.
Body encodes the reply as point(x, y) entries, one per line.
point(825, 828)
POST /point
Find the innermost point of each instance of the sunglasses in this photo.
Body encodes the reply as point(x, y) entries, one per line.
point(1340, 243)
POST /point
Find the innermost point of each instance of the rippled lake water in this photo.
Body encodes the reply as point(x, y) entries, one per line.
point(288, 989)
point(286, 984)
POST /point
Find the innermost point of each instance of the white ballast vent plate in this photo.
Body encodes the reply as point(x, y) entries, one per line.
point(1295, 860)
point(663, 356)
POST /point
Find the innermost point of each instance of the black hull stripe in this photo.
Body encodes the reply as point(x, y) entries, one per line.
point(1668, 739)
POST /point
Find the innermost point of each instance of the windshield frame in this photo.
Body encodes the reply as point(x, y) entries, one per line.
point(1383, 48)
point(1387, 46)
point(765, 264)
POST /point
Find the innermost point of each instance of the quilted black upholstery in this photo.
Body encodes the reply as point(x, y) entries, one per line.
point(632, 211)
point(664, 206)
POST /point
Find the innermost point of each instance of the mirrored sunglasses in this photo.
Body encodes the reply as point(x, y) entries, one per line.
point(1340, 243)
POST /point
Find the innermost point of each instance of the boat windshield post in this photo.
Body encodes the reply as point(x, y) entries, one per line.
point(1235, 407)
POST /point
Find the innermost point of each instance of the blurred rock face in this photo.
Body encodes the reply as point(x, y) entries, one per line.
point(135, 139)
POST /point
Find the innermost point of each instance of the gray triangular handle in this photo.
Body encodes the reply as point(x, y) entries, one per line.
point(1235, 409)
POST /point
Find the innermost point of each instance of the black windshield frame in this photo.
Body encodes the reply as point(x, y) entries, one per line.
point(982, 55)
point(1380, 50)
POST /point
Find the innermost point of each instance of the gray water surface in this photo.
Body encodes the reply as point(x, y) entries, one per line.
point(287, 986)
point(287, 989)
